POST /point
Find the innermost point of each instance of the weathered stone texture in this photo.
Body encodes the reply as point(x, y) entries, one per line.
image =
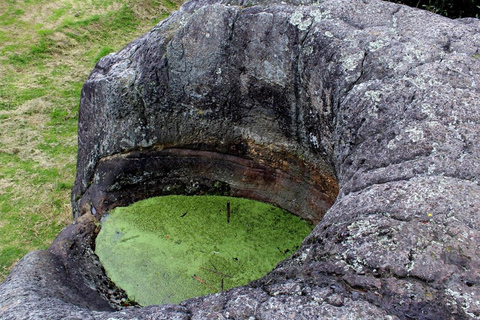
point(373, 101)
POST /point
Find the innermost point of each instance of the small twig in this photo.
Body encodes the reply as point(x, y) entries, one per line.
point(283, 252)
point(228, 212)
point(183, 215)
point(222, 284)
point(217, 272)
point(204, 282)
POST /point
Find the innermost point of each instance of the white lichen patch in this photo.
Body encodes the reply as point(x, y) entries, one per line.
point(375, 96)
point(418, 82)
point(410, 265)
point(300, 21)
point(351, 61)
point(431, 168)
point(304, 255)
point(427, 109)
point(308, 50)
point(392, 144)
point(377, 45)
point(296, 18)
point(319, 15)
point(414, 134)
point(361, 227)
point(413, 54)
point(355, 265)
point(314, 140)
point(464, 300)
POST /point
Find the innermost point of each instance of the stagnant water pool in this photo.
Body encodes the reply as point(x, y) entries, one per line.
point(168, 249)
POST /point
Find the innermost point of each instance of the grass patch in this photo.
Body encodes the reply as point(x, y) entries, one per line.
point(103, 52)
point(10, 16)
point(167, 249)
point(58, 13)
point(47, 50)
point(73, 23)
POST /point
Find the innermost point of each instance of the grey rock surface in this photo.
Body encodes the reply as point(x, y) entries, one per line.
point(367, 112)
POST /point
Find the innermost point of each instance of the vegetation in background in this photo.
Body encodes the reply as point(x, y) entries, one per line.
point(167, 249)
point(448, 8)
point(47, 49)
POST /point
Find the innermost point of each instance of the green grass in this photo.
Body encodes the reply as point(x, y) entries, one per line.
point(103, 52)
point(167, 249)
point(47, 50)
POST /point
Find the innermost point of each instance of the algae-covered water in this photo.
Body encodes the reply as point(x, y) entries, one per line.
point(168, 249)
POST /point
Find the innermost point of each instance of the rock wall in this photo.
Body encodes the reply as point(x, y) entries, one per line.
point(362, 116)
point(213, 81)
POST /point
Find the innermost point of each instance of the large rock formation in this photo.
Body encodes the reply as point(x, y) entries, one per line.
point(291, 103)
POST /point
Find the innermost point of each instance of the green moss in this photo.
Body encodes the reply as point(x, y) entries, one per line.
point(167, 249)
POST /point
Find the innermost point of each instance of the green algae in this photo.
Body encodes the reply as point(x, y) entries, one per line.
point(168, 249)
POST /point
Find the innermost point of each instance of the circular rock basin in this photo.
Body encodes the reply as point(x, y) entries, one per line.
point(168, 249)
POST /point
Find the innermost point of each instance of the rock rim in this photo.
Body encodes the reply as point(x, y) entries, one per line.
point(368, 109)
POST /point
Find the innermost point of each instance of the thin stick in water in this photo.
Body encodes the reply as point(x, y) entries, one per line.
point(204, 282)
point(228, 212)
